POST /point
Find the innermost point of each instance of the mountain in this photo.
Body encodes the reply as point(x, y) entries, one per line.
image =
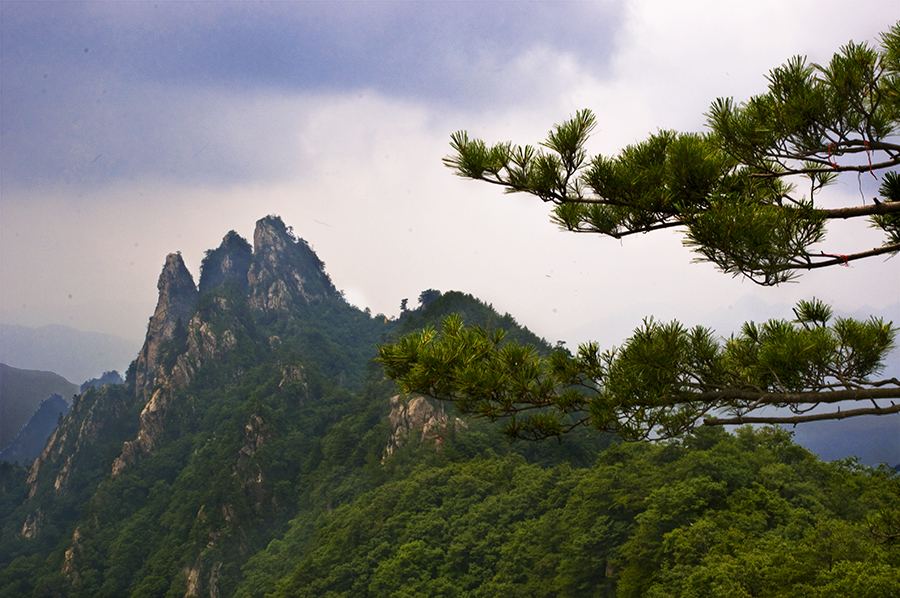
point(32, 437)
point(256, 449)
point(74, 354)
point(247, 402)
point(21, 393)
point(111, 377)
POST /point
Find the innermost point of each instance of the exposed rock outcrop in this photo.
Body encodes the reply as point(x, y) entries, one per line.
point(32, 525)
point(156, 383)
point(293, 377)
point(195, 586)
point(256, 433)
point(285, 272)
point(73, 554)
point(205, 340)
point(409, 417)
point(83, 427)
point(152, 418)
point(54, 446)
point(177, 299)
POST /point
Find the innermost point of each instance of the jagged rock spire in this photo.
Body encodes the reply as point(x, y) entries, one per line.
point(229, 263)
point(285, 271)
point(177, 299)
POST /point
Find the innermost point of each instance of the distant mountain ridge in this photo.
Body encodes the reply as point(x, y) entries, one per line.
point(32, 437)
point(21, 393)
point(74, 354)
point(871, 439)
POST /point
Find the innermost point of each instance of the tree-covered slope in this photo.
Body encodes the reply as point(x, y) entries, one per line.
point(749, 514)
point(246, 454)
point(471, 311)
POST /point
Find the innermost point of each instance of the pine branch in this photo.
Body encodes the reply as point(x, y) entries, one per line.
point(844, 259)
point(890, 207)
point(827, 169)
point(797, 398)
point(799, 419)
point(619, 235)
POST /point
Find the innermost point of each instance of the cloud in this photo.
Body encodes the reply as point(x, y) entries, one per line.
point(96, 92)
point(423, 49)
point(186, 120)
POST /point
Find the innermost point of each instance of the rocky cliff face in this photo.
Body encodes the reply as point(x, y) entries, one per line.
point(177, 299)
point(213, 332)
point(417, 416)
point(92, 417)
point(285, 271)
point(185, 332)
point(190, 328)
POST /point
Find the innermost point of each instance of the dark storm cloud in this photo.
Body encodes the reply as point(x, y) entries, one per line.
point(396, 47)
point(98, 91)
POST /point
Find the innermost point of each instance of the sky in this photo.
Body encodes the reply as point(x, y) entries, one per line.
point(130, 130)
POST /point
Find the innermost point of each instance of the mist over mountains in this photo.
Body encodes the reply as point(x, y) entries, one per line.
point(74, 354)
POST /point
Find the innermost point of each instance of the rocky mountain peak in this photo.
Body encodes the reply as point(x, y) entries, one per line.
point(177, 299)
point(271, 237)
point(229, 263)
point(285, 271)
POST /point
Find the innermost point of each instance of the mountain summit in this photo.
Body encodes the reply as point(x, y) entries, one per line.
point(177, 299)
point(284, 270)
point(225, 426)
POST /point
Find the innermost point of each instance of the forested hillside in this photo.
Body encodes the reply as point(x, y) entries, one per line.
point(749, 514)
point(246, 455)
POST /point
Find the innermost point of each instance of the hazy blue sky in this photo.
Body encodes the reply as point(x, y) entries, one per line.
point(131, 130)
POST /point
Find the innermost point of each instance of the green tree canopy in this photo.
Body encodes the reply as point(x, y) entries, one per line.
point(662, 382)
point(745, 193)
